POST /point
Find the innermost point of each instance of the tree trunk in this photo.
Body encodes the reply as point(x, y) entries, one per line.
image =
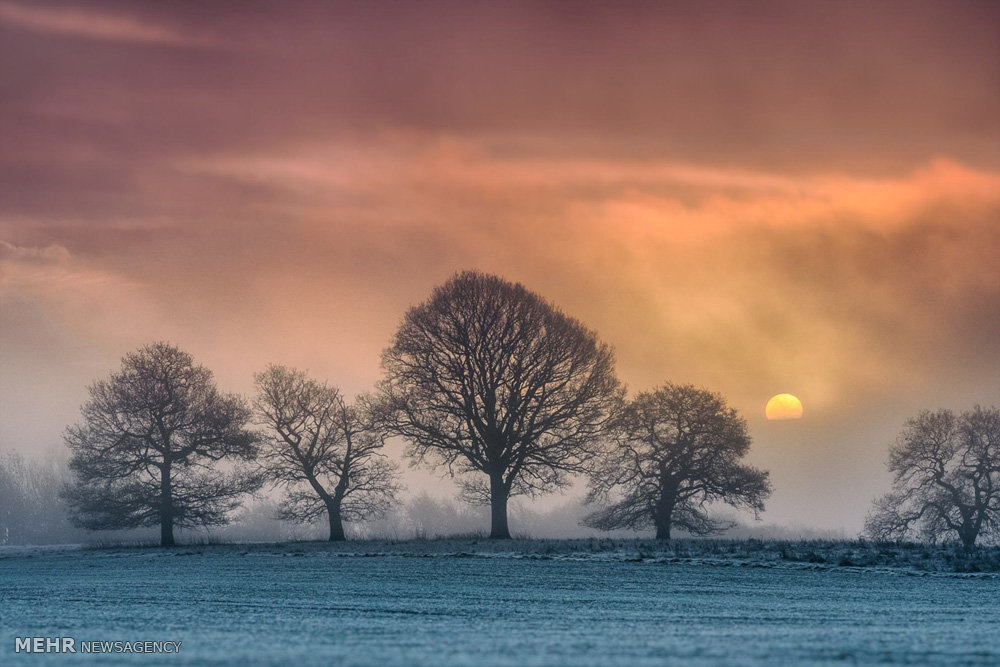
point(166, 508)
point(498, 509)
point(336, 522)
point(664, 516)
point(968, 536)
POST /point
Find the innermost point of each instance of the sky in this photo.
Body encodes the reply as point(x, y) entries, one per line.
point(755, 198)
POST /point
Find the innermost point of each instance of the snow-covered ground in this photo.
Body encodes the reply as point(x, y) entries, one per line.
point(475, 602)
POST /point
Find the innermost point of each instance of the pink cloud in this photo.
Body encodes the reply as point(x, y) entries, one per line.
point(92, 24)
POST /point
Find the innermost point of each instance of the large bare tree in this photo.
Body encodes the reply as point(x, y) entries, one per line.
point(488, 378)
point(678, 449)
point(946, 479)
point(326, 452)
point(147, 450)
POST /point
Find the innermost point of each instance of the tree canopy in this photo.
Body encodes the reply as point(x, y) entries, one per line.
point(325, 452)
point(946, 479)
point(678, 449)
point(488, 378)
point(147, 450)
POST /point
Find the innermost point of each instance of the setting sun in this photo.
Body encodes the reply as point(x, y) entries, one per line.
point(782, 407)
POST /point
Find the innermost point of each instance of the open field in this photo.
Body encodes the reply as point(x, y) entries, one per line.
point(538, 602)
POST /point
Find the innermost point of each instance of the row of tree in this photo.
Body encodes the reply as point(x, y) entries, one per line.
point(498, 387)
point(485, 379)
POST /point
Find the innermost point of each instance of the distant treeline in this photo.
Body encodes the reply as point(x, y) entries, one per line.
point(33, 514)
point(31, 511)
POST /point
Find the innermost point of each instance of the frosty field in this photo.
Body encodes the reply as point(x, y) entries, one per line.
point(471, 603)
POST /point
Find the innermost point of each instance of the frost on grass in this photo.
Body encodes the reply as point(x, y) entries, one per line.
point(525, 602)
point(794, 554)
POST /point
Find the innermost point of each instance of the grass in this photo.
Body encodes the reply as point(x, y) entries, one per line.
point(824, 554)
point(206, 541)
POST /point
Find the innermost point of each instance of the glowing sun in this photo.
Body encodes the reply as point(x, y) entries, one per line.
point(782, 407)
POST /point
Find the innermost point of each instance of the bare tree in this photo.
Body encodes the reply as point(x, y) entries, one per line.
point(946, 479)
point(325, 452)
point(487, 377)
point(147, 450)
point(17, 499)
point(31, 511)
point(678, 449)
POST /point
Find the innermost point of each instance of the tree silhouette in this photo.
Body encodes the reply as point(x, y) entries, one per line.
point(678, 449)
point(326, 452)
point(147, 450)
point(946, 479)
point(486, 377)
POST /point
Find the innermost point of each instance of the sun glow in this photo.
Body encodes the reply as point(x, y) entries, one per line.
point(782, 407)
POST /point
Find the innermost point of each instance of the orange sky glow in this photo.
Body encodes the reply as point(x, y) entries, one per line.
point(753, 197)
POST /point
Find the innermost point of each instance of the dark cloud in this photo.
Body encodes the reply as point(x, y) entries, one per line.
point(769, 84)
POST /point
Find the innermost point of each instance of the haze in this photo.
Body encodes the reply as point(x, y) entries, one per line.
point(753, 197)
